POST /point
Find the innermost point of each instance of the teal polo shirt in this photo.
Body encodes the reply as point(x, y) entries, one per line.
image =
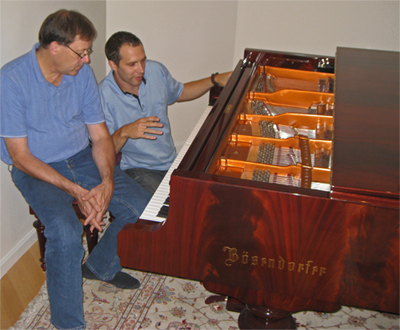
point(158, 90)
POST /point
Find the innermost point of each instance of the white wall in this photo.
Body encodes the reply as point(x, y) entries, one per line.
point(20, 24)
point(193, 39)
point(317, 27)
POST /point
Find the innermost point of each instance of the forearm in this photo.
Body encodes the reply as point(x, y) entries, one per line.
point(91, 206)
point(44, 172)
point(195, 89)
point(119, 139)
point(104, 157)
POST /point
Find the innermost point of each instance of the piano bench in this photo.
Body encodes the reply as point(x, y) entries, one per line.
point(91, 237)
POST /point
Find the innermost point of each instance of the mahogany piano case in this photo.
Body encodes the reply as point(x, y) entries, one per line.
point(288, 197)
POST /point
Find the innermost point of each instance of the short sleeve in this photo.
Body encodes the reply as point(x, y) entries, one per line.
point(13, 105)
point(92, 112)
point(174, 87)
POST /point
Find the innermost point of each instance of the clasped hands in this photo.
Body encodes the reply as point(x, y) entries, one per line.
point(94, 203)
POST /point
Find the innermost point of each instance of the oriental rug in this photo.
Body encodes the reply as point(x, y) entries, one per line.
point(168, 303)
point(164, 302)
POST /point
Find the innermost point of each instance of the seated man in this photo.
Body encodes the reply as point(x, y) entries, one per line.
point(50, 106)
point(135, 96)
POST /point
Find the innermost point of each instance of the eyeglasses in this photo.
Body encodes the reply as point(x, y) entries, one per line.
point(87, 52)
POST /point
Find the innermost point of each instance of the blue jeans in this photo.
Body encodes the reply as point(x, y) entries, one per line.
point(147, 179)
point(63, 231)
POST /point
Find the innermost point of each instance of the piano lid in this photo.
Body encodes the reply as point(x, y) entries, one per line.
point(366, 124)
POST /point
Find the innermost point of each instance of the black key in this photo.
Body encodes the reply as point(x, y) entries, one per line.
point(163, 213)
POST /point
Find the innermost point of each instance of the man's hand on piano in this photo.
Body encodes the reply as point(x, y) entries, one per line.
point(194, 89)
point(222, 78)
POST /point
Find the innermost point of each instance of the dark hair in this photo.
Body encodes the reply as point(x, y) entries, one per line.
point(63, 26)
point(116, 41)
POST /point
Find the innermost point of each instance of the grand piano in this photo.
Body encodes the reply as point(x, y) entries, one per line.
point(286, 195)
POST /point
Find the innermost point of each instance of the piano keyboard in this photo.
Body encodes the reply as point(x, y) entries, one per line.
point(157, 208)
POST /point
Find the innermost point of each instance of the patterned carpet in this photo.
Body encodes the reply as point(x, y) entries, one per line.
point(164, 302)
point(169, 303)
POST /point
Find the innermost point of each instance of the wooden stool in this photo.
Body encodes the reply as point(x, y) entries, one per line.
point(91, 236)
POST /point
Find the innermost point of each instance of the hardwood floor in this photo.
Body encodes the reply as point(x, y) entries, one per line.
point(20, 285)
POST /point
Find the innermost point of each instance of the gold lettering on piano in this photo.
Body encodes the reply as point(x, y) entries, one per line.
point(309, 262)
point(233, 256)
point(245, 258)
point(254, 261)
point(280, 263)
point(319, 271)
point(271, 263)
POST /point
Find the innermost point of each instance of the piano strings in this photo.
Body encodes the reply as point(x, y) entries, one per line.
point(265, 176)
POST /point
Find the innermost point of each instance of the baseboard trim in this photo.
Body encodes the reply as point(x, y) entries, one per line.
point(17, 252)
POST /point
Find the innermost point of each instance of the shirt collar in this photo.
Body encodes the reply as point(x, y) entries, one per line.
point(66, 79)
point(123, 92)
point(38, 72)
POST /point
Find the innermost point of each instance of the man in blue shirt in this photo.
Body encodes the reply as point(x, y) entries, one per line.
point(135, 96)
point(50, 107)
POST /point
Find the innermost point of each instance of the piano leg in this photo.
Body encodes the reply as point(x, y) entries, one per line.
point(256, 317)
point(232, 304)
point(251, 316)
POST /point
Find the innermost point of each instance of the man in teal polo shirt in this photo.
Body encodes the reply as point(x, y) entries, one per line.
point(135, 97)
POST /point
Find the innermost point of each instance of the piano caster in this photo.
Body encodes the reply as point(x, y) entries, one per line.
point(255, 317)
point(232, 304)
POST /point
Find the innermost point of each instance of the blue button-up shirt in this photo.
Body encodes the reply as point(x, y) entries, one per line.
point(158, 90)
point(52, 118)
